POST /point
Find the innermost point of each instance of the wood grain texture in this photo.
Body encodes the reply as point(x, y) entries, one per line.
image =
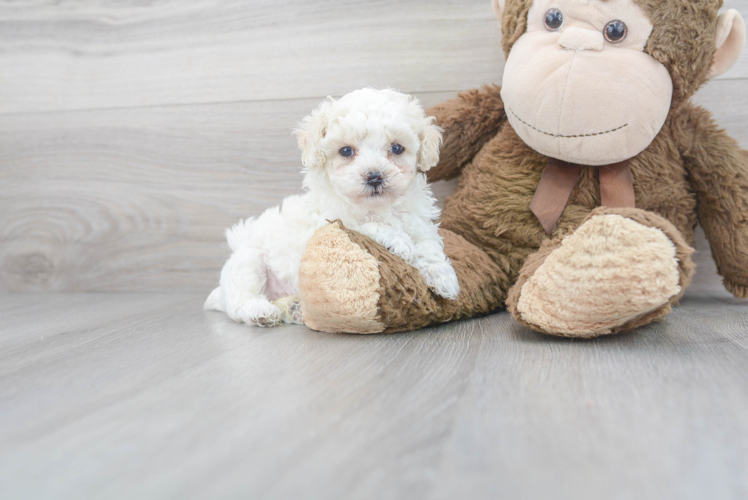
point(105, 54)
point(133, 133)
point(146, 396)
point(136, 196)
point(138, 199)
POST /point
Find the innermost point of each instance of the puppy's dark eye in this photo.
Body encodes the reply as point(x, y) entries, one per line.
point(554, 19)
point(397, 149)
point(346, 151)
point(615, 31)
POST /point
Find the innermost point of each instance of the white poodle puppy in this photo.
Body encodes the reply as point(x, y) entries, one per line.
point(364, 156)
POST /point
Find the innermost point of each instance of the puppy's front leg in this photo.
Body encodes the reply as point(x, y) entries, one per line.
point(436, 269)
point(397, 242)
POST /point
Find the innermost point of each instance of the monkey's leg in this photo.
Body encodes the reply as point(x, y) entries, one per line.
point(349, 283)
point(621, 269)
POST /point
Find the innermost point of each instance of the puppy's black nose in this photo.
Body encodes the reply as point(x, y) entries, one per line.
point(374, 179)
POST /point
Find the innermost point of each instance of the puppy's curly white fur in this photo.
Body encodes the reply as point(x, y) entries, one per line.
point(364, 159)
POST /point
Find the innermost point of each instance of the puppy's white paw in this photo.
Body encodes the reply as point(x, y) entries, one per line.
point(403, 247)
point(442, 279)
point(290, 309)
point(257, 312)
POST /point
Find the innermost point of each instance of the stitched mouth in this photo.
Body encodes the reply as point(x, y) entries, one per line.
point(568, 136)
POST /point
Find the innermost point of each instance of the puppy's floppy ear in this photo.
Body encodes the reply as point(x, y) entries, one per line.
point(310, 133)
point(431, 141)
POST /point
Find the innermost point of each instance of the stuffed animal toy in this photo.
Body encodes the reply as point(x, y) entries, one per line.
point(582, 180)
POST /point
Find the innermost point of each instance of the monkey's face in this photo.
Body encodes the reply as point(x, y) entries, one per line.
point(578, 85)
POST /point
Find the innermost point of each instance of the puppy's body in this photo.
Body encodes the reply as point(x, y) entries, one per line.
point(264, 266)
point(379, 191)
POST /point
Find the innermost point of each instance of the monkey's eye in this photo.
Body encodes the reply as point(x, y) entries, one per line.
point(397, 149)
point(615, 31)
point(554, 19)
point(346, 151)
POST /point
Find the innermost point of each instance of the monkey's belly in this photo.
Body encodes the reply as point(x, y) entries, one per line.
point(491, 205)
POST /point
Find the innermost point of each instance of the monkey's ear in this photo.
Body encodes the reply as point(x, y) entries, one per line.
point(498, 8)
point(730, 41)
point(310, 133)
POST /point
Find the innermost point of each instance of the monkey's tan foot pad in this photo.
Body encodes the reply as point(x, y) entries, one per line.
point(351, 284)
point(621, 269)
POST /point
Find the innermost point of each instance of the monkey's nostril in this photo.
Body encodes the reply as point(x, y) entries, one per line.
point(374, 178)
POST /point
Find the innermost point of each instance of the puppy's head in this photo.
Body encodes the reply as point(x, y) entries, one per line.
point(369, 145)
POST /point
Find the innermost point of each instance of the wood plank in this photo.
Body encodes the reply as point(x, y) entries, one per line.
point(53, 334)
point(138, 199)
point(175, 402)
point(728, 102)
point(574, 427)
point(99, 54)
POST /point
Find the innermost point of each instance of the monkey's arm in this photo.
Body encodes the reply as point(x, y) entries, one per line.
point(469, 122)
point(718, 169)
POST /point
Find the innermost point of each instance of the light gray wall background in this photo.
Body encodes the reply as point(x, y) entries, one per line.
point(132, 133)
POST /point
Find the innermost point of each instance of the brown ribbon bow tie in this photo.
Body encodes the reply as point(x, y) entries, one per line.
point(559, 179)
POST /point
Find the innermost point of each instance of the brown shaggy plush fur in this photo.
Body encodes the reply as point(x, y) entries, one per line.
point(474, 120)
point(514, 22)
point(406, 303)
point(403, 299)
point(683, 41)
point(691, 173)
point(718, 173)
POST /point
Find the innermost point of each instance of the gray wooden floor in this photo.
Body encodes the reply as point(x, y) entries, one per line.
point(133, 133)
point(146, 396)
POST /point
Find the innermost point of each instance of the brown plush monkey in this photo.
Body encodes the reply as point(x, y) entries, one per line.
point(583, 179)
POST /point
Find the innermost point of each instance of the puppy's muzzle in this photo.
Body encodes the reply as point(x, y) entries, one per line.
point(374, 179)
